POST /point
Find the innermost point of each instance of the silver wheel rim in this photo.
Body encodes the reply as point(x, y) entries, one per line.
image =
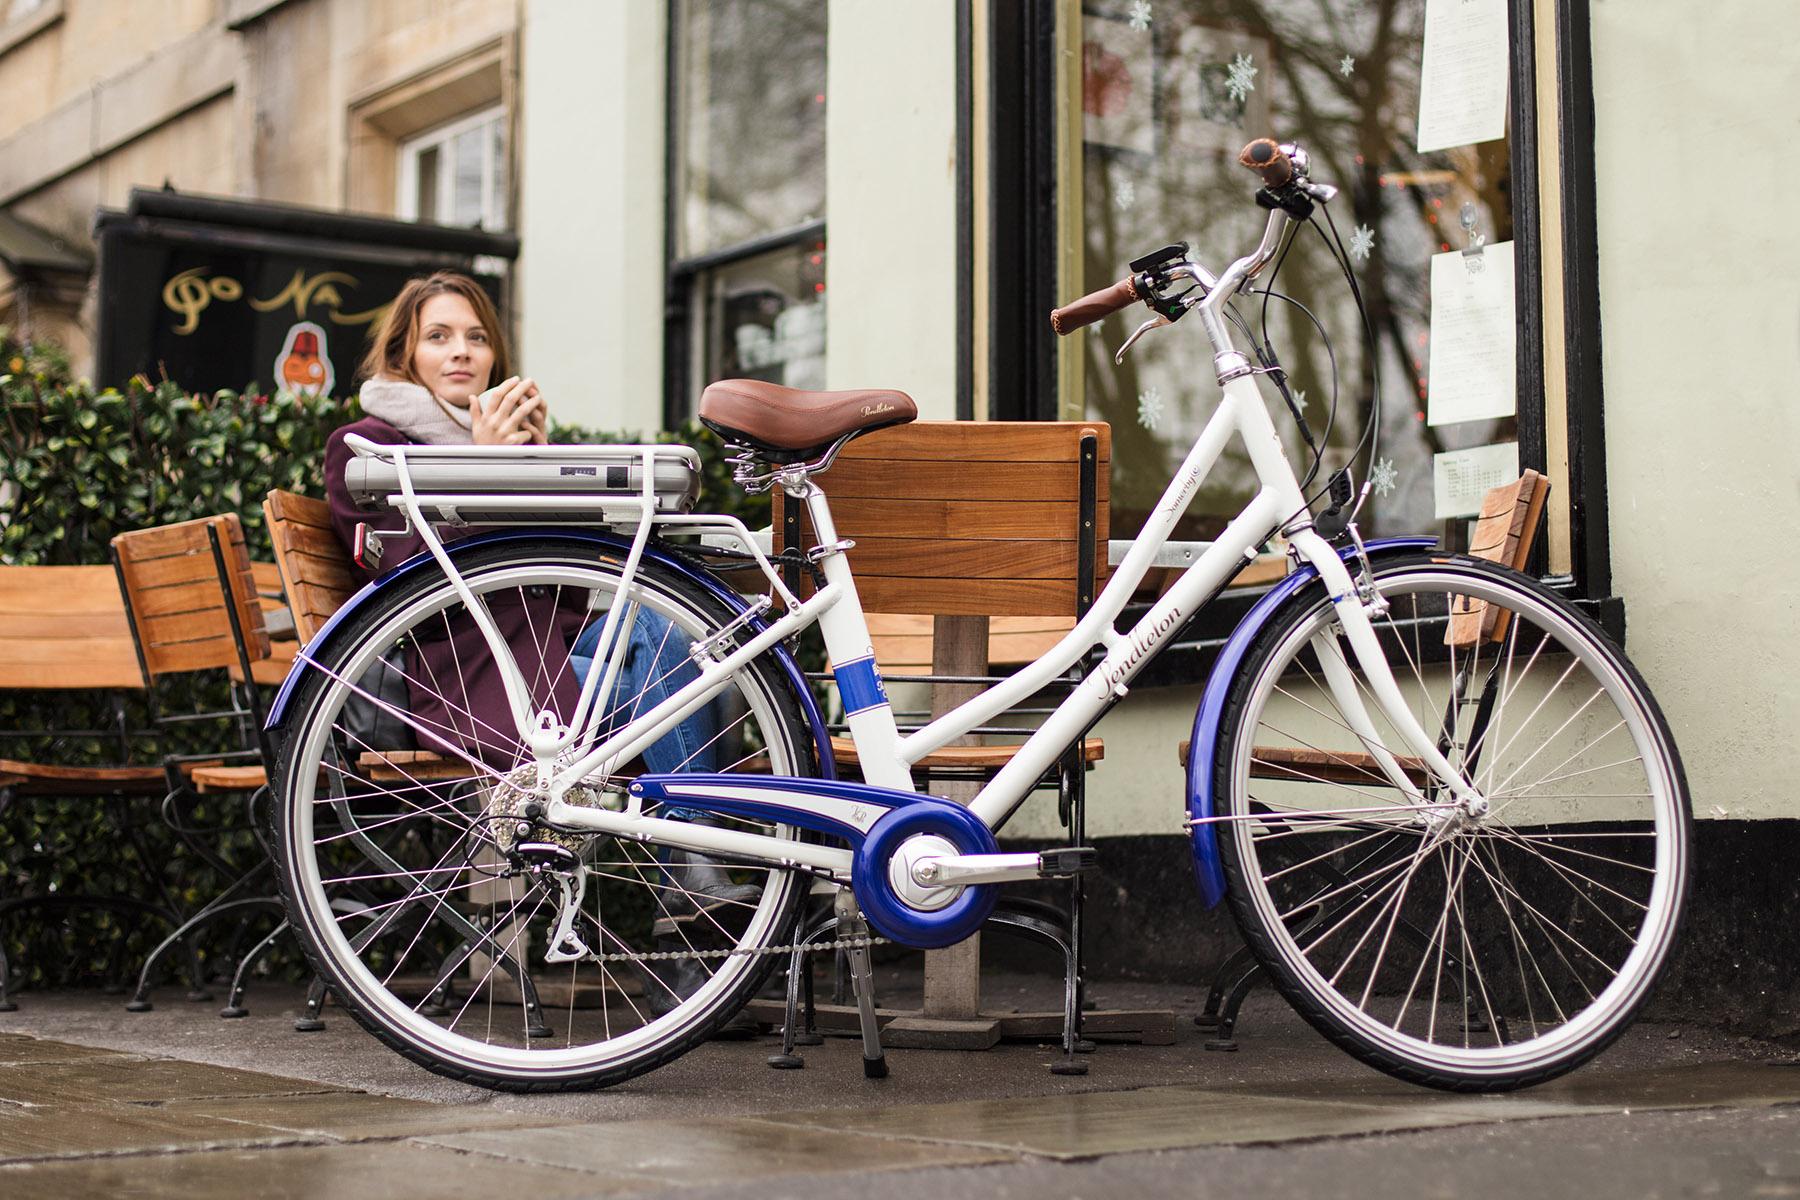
point(548, 1058)
point(1358, 996)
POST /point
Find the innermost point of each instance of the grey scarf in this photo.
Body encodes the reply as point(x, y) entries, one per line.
point(416, 412)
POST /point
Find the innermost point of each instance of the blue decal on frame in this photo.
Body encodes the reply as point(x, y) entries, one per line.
point(860, 685)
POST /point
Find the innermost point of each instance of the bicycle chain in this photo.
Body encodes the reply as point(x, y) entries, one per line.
point(855, 943)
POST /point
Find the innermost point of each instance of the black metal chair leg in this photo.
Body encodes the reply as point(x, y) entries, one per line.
point(234, 1007)
point(140, 1000)
point(6, 1002)
point(1227, 972)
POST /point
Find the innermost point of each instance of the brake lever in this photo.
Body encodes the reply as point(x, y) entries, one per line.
point(1156, 322)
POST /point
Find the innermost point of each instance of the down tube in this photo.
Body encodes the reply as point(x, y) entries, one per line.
point(1126, 658)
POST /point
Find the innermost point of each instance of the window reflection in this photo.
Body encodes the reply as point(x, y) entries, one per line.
point(1170, 93)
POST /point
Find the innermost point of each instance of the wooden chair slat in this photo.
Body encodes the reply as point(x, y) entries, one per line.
point(315, 570)
point(1304, 765)
point(64, 628)
point(965, 757)
point(171, 581)
point(400, 766)
point(1008, 482)
point(952, 558)
point(1504, 533)
point(974, 441)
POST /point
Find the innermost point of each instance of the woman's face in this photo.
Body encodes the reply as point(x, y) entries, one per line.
point(454, 354)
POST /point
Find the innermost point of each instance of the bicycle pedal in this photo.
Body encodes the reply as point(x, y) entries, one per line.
point(1067, 862)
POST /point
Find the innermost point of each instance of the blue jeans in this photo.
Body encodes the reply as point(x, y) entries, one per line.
point(656, 666)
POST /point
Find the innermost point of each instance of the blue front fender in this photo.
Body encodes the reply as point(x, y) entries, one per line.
point(601, 542)
point(1208, 870)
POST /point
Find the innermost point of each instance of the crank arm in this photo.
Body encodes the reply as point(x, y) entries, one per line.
point(955, 870)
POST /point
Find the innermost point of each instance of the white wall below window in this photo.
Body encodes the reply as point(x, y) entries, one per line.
point(1701, 330)
point(589, 296)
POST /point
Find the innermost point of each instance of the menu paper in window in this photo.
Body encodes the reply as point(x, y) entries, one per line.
point(1462, 78)
point(1460, 478)
point(1474, 337)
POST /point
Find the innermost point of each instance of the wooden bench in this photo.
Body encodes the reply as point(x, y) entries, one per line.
point(977, 545)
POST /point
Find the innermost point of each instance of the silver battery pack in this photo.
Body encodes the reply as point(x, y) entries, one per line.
point(560, 484)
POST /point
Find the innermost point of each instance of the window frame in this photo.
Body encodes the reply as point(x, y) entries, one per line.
point(1024, 230)
point(442, 137)
point(684, 277)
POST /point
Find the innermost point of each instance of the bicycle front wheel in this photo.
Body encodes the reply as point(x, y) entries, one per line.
point(449, 920)
point(1465, 950)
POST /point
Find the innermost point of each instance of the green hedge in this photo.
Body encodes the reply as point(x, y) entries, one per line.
point(83, 464)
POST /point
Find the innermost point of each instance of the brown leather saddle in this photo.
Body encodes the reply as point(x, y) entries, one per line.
point(786, 425)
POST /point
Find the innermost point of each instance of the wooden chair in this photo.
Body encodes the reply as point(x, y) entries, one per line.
point(63, 632)
point(317, 576)
point(192, 597)
point(1504, 533)
point(977, 544)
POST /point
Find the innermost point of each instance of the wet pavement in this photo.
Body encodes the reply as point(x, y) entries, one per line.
point(95, 1101)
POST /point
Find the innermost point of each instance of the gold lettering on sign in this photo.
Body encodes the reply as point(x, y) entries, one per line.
point(189, 292)
point(304, 292)
point(875, 410)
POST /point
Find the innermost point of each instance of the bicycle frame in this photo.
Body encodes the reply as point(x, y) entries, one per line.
point(885, 754)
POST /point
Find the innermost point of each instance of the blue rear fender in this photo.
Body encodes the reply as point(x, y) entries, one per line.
point(1209, 872)
point(601, 543)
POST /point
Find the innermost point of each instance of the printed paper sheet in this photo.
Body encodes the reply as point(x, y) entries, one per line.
point(1462, 78)
point(1474, 337)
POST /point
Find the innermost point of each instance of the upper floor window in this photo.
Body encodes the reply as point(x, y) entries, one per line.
point(455, 174)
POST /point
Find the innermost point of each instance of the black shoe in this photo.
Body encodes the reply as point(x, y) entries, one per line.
point(672, 980)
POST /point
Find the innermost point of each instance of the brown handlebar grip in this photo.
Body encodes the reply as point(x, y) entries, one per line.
point(1266, 157)
point(1093, 306)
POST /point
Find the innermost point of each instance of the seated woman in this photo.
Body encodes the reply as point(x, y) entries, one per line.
point(427, 376)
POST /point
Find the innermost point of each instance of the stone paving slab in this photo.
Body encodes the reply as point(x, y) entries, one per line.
point(358, 1116)
point(1185, 1117)
point(1088, 1124)
point(703, 1153)
point(16, 1048)
point(305, 1173)
point(86, 1130)
point(129, 1079)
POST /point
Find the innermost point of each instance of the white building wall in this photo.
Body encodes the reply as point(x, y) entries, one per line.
point(890, 165)
point(1701, 321)
point(591, 209)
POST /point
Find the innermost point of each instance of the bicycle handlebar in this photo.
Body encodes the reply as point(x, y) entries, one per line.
point(1095, 305)
point(1269, 159)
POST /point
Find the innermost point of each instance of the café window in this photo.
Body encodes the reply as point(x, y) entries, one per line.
point(455, 174)
point(746, 195)
point(1170, 91)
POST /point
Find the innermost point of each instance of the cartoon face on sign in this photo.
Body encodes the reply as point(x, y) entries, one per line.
point(302, 367)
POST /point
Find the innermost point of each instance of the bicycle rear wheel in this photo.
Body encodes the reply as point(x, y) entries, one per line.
point(1460, 951)
point(427, 893)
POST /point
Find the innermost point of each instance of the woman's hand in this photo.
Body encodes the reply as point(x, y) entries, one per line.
point(512, 413)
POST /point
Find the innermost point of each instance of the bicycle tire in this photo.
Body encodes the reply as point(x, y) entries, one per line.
point(1574, 882)
point(332, 819)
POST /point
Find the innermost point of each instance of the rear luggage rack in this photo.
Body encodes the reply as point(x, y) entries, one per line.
point(525, 485)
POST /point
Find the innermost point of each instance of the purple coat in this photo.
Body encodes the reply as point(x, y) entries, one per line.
point(456, 688)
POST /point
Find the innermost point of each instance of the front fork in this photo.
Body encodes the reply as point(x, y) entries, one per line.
point(1354, 610)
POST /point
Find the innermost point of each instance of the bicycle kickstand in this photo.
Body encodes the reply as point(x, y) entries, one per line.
point(851, 925)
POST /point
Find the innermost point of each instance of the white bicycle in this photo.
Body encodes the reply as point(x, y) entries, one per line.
point(1446, 812)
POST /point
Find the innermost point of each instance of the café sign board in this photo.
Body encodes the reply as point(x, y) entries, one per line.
point(217, 293)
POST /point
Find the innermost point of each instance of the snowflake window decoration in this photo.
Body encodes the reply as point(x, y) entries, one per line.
point(1384, 477)
point(1140, 15)
point(1150, 408)
point(1240, 78)
point(1361, 242)
point(1125, 195)
point(1346, 65)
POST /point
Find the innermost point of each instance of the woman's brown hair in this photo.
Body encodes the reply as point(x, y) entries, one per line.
point(391, 353)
